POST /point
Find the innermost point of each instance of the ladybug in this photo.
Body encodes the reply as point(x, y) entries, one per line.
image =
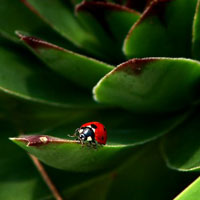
point(92, 132)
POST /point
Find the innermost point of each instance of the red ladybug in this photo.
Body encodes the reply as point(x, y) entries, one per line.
point(92, 132)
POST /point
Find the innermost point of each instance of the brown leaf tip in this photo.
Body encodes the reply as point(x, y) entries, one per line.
point(155, 7)
point(92, 6)
point(36, 43)
point(38, 140)
point(28, 5)
point(134, 65)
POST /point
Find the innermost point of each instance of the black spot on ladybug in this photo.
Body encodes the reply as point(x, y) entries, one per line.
point(93, 126)
point(102, 138)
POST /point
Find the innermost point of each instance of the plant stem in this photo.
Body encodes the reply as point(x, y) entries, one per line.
point(46, 178)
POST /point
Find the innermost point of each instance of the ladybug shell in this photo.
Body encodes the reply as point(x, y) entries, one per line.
point(100, 131)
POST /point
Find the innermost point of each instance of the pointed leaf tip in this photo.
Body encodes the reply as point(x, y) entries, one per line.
point(36, 43)
point(38, 140)
point(155, 30)
point(91, 6)
point(70, 154)
point(68, 64)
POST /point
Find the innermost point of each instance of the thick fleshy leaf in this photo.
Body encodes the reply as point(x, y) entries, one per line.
point(161, 31)
point(19, 178)
point(20, 20)
point(181, 148)
point(147, 177)
point(153, 85)
point(60, 17)
point(110, 22)
point(191, 192)
point(36, 83)
point(82, 70)
point(123, 133)
point(195, 34)
point(139, 181)
point(70, 155)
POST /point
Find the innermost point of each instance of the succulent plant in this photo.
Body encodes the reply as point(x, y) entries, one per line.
point(131, 65)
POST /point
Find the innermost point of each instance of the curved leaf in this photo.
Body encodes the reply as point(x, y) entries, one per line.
point(19, 178)
point(34, 83)
point(70, 155)
point(147, 177)
point(191, 192)
point(82, 70)
point(58, 15)
point(181, 148)
point(123, 134)
point(109, 22)
point(20, 20)
point(133, 179)
point(160, 31)
point(195, 33)
point(150, 85)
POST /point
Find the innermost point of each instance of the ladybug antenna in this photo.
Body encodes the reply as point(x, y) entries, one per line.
point(75, 133)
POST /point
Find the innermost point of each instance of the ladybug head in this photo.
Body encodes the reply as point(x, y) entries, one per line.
point(82, 136)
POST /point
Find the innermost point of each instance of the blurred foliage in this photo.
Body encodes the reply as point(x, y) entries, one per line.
point(132, 65)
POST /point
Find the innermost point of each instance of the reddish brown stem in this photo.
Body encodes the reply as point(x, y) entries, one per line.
point(46, 178)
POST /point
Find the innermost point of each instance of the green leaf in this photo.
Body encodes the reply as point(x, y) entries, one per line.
point(147, 177)
point(58, 15)
point(181, 147)
point(195, 34)
point(150, 85)
point(133, 179)
point(21, 78)
point(161, 31)
point(192, 192)
point(82, 70)
point(20, 20)
point(69, 154)
point(19, 178)
point(123, 134)
point(109, 22)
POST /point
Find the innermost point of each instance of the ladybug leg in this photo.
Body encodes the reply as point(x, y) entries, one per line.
point(75, 133)
point(91, 144)
point(94, 144)
point(82, 142)
point(88, 143)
